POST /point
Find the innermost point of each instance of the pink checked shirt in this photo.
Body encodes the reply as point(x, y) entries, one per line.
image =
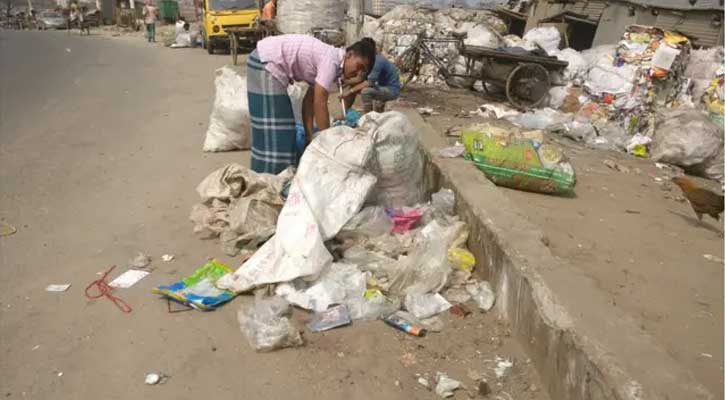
point(301, 58)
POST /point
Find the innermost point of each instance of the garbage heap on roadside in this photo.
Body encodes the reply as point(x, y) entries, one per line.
point(354, 236)
point(650, 95)
point(398, 29)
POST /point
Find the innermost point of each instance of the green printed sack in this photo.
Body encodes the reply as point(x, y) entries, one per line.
point(518, 162)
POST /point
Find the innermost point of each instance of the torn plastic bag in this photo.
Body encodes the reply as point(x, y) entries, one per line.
point(483, 295)
point(229, 124)
point(397, 161)
point(328, 189)
point(339, 283)
point(267, 326)
point(426, 269)
point(426, 305)
point(371, 221)
point(606, 78)
point(444, 200)
point(376, 263)
point(539, 119)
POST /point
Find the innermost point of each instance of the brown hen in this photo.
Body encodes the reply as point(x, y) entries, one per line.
point(703, 201)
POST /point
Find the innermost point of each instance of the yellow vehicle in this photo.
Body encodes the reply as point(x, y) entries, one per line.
point(222, 17)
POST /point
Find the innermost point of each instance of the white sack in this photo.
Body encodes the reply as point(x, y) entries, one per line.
point(688, 138)
point(229, 125)
point(577, 64)
point(299, 16)
point(329, 188)
point(397, 160)
point(610, 79)
point(547, 37)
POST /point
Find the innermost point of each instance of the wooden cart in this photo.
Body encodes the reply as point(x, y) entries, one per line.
point(524, 77)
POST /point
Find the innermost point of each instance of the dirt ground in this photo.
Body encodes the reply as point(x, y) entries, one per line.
point(633, 233)
point(100, 153)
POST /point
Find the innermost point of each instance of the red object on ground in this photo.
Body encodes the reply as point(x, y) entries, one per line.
point(104, 290)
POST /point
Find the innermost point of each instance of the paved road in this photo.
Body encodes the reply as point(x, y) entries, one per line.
point(100, 152)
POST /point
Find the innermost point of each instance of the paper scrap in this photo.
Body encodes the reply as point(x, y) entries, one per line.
point(664, 57)
point(128, 279)
point(59, 287)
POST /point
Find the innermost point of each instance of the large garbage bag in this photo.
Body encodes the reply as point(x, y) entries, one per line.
point(229, 125)
point(606, 78)
point(688, 138)
point(397, 160)
point(329, 188)
point(300, 16)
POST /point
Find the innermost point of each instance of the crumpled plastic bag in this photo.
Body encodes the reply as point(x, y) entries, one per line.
point(689, 139)
point(328, 189)
point(238, 205)
point(337, 285)
point(267, 326)
point(371, 221)
point(426, 269)
point(606, 78)
point(426, 305)
point(547, 37)
point(577, 67)
point(483, 295)
point(229, 123)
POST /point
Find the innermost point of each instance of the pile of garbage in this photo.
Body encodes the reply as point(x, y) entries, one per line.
point(355, 238)
point(397, 30)
point(639, 96)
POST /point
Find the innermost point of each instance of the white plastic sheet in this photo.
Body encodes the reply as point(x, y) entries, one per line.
point(329, 188)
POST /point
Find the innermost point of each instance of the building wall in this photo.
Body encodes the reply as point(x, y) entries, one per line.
point(612, 23)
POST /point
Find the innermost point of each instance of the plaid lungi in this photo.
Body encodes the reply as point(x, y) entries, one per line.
point(273, 122)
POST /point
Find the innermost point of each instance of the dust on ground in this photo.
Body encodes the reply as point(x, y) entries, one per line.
point(100, 154)
point(630, 230)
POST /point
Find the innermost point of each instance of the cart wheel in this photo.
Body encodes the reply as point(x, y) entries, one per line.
point(527, 85)
point(233, 47)
point(409, 64)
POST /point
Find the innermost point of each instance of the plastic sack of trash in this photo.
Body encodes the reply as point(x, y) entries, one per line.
point(229, 125)
point(688, 138)
point(520, 163)
point(702, 68)
point(397, 160)
point(547, 37)
point(329, 188)
point(267, 326)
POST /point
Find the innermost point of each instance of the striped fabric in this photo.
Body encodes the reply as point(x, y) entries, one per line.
point(273, 122)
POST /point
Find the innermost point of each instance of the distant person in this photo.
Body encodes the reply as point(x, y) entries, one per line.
point(150, 14)
point(382, 85)
point(270, 10)
point(76, 16)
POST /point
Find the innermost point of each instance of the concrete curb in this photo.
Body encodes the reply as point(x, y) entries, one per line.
point(583, 347)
